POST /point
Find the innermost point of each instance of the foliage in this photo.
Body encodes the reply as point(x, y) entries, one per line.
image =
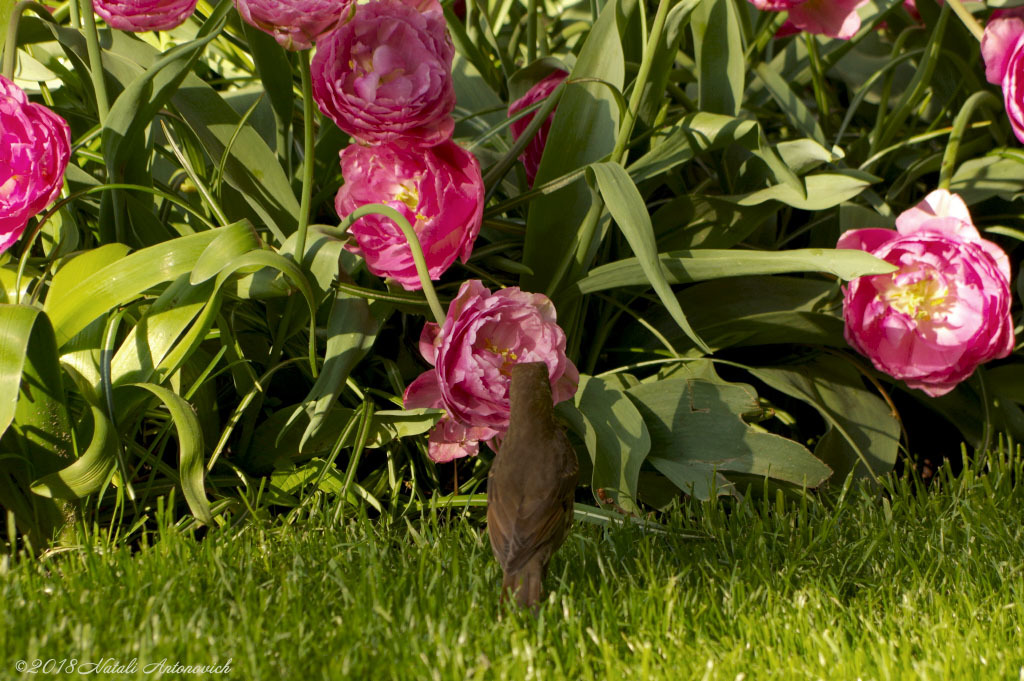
point(160, 332)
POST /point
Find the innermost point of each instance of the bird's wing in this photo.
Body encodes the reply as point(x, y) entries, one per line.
point(519, 531)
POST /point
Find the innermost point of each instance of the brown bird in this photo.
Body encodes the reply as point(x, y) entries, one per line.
point(530, 486)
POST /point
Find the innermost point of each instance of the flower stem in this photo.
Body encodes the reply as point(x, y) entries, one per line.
point(626, 128)
point(967, 18)
point(10, 44)
point(414, 246)
point(531, 31)
point(308, 156)
point(92, 42)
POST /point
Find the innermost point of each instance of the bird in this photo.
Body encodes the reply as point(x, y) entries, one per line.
point(530, 487)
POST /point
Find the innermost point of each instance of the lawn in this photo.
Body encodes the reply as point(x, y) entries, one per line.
point(910, 583)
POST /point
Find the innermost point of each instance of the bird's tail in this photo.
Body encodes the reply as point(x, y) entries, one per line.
point(525, 586)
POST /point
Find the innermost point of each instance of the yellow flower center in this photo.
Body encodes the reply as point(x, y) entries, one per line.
point(507, 355)
point(920, 300)
point(408, 195)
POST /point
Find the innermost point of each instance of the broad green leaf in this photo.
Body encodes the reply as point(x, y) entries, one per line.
point(274, 69)
point(33, 407)
point(718, 46)
point(79, 267)
point(87, 474)
point(682, 267)
point(824, 190)
point(616, 438)
point(698, 432)
point(746, 311)
point(626, 206)
point(863, 434)
point(190, 449)
point(693, 134)
point(157, 332)
point(978, 179)
point(123, 280)
point(586, 123)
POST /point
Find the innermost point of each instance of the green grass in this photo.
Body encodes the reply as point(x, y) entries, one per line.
point(926, 585)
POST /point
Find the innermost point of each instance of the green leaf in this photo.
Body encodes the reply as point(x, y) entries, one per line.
point(133, 111)
point(682, 267)
point(89, 473)
point(351, 331)
point(586, 123)
point(863, 434)
point(824, 190)
point(746, 311)
point(999, 174)
point(274, 69)
point(190, 449)
point(123, 280)
point(697, 432)
point(157, 332)
point(794, 108)
point(32, 401)
point(615, 436)
point(664, 57)
point(718, 46)
point(627, 208)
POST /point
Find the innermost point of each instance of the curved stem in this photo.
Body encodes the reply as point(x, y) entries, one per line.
point(11, 42)
point(414, 246)
point(92, 42)
point(967, 18)
point(307, 155)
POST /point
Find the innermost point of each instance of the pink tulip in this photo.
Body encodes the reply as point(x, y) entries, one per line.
point(294, 24)
point(144, 15)
point(945, 311)
point(1003, 50)
point(535, 149)
point(438, 189)
point(834, 18)
point(483, 335)
point(35, 144)
point(385, 73)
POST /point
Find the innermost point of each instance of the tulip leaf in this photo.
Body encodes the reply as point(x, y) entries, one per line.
point(749, 311)
point(583, 131)
point(124, 279)
point(33, 405)
point(794, 108)
point(698, 433)
point(351, 331)
point(718, 46)
point(275, 442)
point(88, 473)
point(616, 438)
point(824, 190)
point(863, 433)
point(627, 208)
point(682, 267)
point(190, 449)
